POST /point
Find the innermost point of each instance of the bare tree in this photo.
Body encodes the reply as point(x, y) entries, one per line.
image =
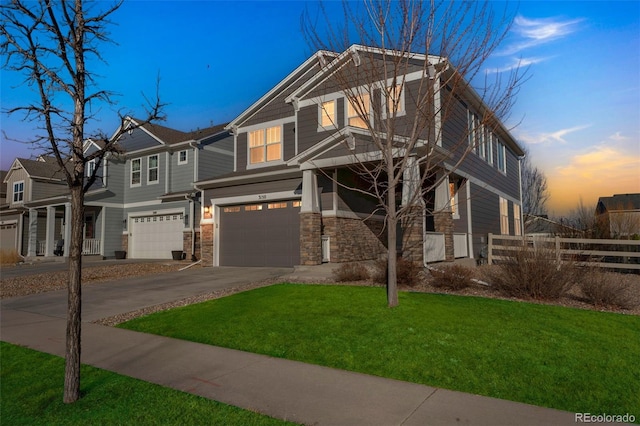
point(51, 43)
point(445, 42)
point(535, 192)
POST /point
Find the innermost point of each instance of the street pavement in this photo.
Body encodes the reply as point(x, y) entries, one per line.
point(283, 389)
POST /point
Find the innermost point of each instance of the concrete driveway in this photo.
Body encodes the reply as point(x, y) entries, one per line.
point(110, 298)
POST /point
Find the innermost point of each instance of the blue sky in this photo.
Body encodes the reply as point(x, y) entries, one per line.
point(578, 114)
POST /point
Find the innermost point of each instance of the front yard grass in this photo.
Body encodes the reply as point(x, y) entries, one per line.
point(569, 359)
point(31, 394)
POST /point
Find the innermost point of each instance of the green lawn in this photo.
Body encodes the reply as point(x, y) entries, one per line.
point(570, 359)
point(31, 394)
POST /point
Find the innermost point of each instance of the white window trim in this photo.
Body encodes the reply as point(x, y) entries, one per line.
point(517, 222)
point(265, 163)
point(186, 157)
point(502, 165)
point(455, 205)
point(149, 181)
point(13, 192)
point(90, 165)
point(131, 184)
point(402, 110)
point(334, 120)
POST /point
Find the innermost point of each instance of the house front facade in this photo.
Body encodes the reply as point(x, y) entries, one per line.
point(294, 198)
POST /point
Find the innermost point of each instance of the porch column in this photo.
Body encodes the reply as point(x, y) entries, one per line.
point(32, 232)
point(310, 221)
point(67, 229)
point(413, 222)
point(443, 220)
point(50, 241)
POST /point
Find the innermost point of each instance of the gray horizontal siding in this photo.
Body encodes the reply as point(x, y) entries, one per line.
point(138, 139)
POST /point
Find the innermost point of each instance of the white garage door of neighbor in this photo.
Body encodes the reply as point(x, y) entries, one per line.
point(154, 237)
point(8, 236)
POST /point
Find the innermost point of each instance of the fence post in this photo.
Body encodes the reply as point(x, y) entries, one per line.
point(558, 256)
point(489, 255)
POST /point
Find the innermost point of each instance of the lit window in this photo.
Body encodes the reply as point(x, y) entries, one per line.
point(453, 200)
point(18, 192)
point(253, 208)
point(152, 164)
point(504, 216)
point(265, 145)
point(394, 100)
point(136, 172)
point(358, 111)
point(234, 209)
point(182, 157)
point(271, 206)
point(328, 114)
point(297, 203)
point(517, 227)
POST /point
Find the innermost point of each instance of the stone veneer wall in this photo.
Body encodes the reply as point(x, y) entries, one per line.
point(413, 236)
point(206, 244)
point(125, 242)
point(443, 222)
point(353, 239)
point(186, 244)
point(310, 239)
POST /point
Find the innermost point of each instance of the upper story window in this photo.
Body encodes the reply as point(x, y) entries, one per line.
point(18, 192)
point(502, 157)
point(153, 167)
point(394, 100)
point(136, 172)
point(517, 223)
point(358, 111)
point(91, 167)
point(473, 130)
point(265, 145)
point(183, 157)
point(328, 114)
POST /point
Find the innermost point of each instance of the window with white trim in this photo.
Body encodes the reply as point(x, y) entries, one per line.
point(18, 191)
point(517, 223)
point(265, 145)
point(136, 172)
point(453, 200)
point(502, 157)
point(473, 131)
point(153, 167)
point(361, 104)
point(183, 157)
point(489, 146)
point(91, 167)
point(393, 102)
point(328, 114)
point(504, 216)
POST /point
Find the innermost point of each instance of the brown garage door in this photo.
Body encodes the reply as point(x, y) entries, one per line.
point(261, 234)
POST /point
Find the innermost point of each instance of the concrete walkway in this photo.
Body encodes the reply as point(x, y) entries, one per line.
point(289, 390)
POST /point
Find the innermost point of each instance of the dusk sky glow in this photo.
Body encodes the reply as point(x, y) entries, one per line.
point(578, 114)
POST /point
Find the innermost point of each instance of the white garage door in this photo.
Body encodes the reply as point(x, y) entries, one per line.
point(154, 237)
point(8, 236)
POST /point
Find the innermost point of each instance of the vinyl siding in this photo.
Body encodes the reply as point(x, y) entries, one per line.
point(294, 186)
point(113, 229)
point(138, 139)
point(212, 162)
point(485, 210)
point(17, 176)
point(41, 190)
point(145, 191)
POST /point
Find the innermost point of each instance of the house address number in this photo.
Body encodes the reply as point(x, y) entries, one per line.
point(262, 197)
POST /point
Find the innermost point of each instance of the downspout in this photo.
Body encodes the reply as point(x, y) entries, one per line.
point(192, 203)
point(521, 206)
point(192, 220)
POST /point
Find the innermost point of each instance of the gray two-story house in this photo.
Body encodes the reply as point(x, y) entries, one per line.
point(143, 204)
point(292, 197)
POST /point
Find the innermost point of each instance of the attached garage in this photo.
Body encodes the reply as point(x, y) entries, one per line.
point(260, 234)
point(154, 237)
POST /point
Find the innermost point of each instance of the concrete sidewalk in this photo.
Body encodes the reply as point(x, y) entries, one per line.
point(289, 390)
point(283, 389)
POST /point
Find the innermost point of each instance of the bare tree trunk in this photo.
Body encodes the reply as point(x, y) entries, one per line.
point(72, 355)
point(392, 231)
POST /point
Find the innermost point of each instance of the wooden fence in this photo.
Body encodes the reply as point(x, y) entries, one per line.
point(617, 254)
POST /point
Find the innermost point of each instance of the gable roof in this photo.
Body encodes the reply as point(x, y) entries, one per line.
point(44, 167)
point(619, 202)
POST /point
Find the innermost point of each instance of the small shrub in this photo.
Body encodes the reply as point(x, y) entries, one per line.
point(9, 257)
point(350, 272)
point(602, 288)
point(453, 277)
point(533, 273)
point(408, 273)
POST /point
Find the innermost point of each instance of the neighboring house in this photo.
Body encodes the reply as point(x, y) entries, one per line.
point(143, 202)
point(542, 226)
point(620, 214)
point(284, 203)
point(26, 225)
